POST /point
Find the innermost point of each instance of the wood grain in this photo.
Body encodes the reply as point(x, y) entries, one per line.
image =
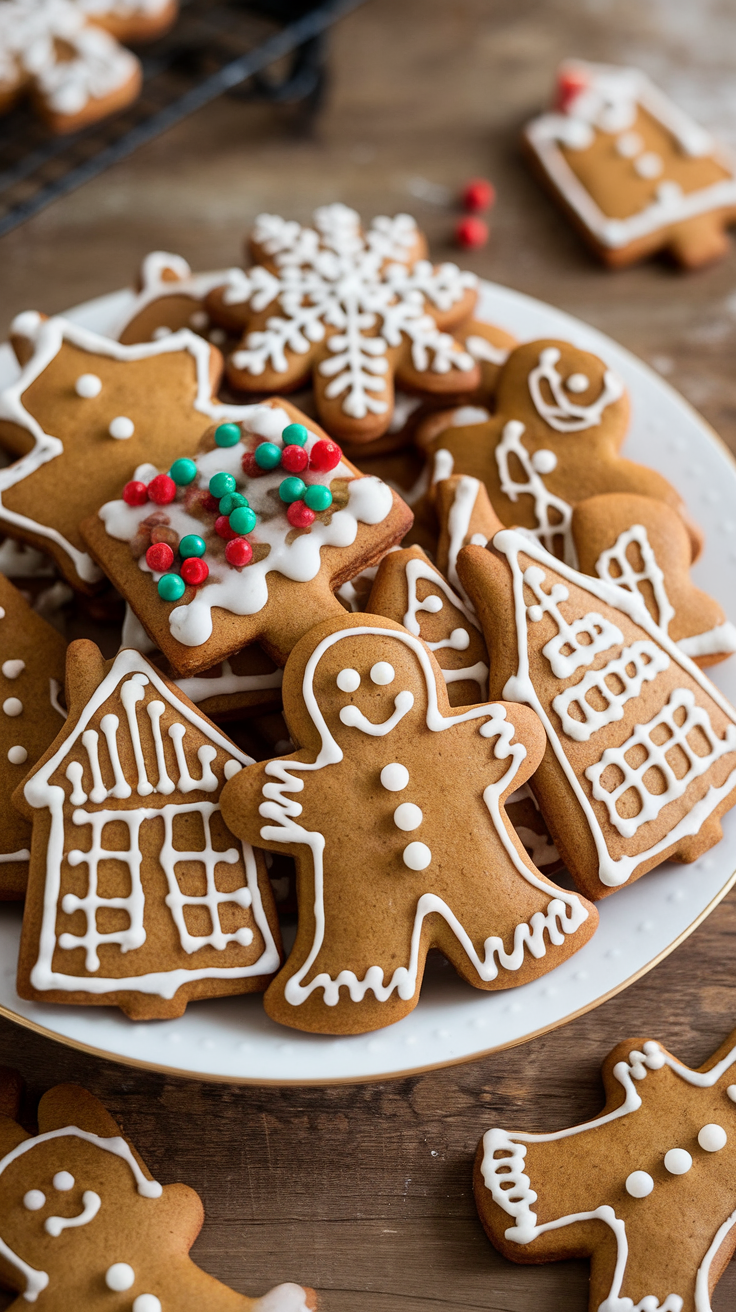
point(364, 1191)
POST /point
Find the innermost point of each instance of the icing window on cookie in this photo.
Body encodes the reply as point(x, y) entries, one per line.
point(553, 515)
point(576, 643)
point(612, 687)
point(561, 413)
point(616, 565)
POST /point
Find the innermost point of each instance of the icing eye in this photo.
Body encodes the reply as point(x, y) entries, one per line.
point(395, 777)
point(119, 1277)
point(382, 673)
point(12, 706)
point(63, 1181)
point(677, 1161)
point(577, 383)
point(348, 680)
point(34, 1200)
point(639, 1184)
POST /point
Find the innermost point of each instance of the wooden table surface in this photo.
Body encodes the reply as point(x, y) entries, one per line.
point(364, 1191)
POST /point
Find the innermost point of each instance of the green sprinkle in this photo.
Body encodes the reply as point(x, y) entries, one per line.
point(292, 489)
point(318, 497)
point(192, 545)
point(268, 455)
point(183, 472)
point(242, 520)
point(295, 435)
point(171, 587)
point(221, 483)
point(231, 501)
point(227, 435)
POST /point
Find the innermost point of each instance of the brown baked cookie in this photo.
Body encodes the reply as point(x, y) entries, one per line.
point(640, 762)
point(236, 548)
point(646, 1190)
point(132, 21)
point(352, 310)
point(393, 808)
point(632, 170)
point(410, 590)
point(465, 517)
point(491, 347)
point(138, 895)
point(86, 1227)
point(91, 410)
point(32, 658)
point(523, 811)
point(643, 545)
point(170, 297)
point(561, 418)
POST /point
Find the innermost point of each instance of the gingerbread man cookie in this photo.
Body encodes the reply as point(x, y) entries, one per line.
point(235, 546)
point(138, 896)
point(84, 1225)
point(393, 808)
point(641, 747)
point(646, 1190)
point(32, 657)
point(632, 170)
point(561, 418)
point(350, 309)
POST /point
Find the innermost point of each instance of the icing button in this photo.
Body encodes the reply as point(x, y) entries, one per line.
point(731, 1092)
point(639, 1184)
point(407, 816)
point(146, 1303)
point(119, 1277)
point(417, 856)
point(121, 427)
point(12, 706)
point(17, 755)
point(11, 669)
point(712, 1138)
point(677, 1161)
point(88, 386)
point(577, 383)
point(395, 777)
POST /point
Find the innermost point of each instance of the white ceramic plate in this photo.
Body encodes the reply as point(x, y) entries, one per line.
point(233, 1039)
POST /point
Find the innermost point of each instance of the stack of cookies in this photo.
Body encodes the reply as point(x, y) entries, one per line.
point(391, 656)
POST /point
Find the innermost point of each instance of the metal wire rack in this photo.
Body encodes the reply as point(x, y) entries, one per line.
point(216, 47)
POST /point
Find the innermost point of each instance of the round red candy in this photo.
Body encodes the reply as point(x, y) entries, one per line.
point(471, 233)
point(324, 456)
point(299, 515)
point(238, 552)
point(162, 489)
point(250, 468)
point(135, 494)
point(294, 459)
point(159, 557)
point(194, 571)
point(478, 195)
point(222, 527)
point(569, 86)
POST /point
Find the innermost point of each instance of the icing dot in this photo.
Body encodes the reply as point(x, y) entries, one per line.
point(33, 1200)
point(119, 1277)
point(669, 192)
point(543, 462)
point(199, 319)
point(11, 669)
point(712, 1138)
point(677, 1161)
point(2, 612)
point(459, 639)
point(394, 777)
point(348, 680)
point(88, 385)
point(146, 1303)
point(577, 383)
point(12, 706)
point(382, 673)
point(232, 768)
point(629, 144)
point(639, 1184)
point(432, 604)
point(17, 755)
point(408, 816)
point(121, 427)
point(159, 333)
point(63, 1181)
point(731, 1092)
point(648, 165)
point(417, 856)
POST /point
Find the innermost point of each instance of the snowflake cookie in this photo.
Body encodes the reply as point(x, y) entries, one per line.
point(353, 310)
point(646, 1190)
point(84, 1225)
point(392, 805)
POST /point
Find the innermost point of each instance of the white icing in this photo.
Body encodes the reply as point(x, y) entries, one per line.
point(712, 1138)
point(382, 673)
point(284, 1298)
point(620, 680)
point(34, 1200)
point(631, 578)
point(348, 680)
point(540, 847)
point(722, 638)
point(458, 639)
point(128, 677)
point(417, 856)
point(121, 428)
point(677, 1161)
point(629, 144)
point(639, 1184)
point(88, 386)
point(146, 1303)
point(19, 561)
point(552, 513)
point(404, 408)
point(395, 777)
point(564, 914)
point(13, 706)
point(481, 349)
point(63, 1181)
point(155, 285)
point(612, 871)
point(17, 755)
point(119, 1277)
point(408, 816)
point(11, 669)
point(335, 276)
point(565, 651)
point(562, 414)
point(649, 165)
point(91, 1203)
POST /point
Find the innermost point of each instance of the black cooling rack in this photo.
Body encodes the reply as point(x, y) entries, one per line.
point(216, 47)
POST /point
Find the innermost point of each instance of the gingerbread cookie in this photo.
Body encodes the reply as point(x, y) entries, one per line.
point(170, 297)
point(94, 409)
point(646, 1190)
point(138, 896)
point(491, 347)
point(561, 419)
point(32, 658)
point(132, 20)
point(632, 170)
point(641, 747)
point(237, 546)
point(351, 309)
point(523, 811)
point(466, 517)
point(642, 545)
point(393, 808)
point(85, 1226)
point(410, 590)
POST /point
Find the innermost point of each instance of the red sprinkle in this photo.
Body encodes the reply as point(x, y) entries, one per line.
point(162, 489)
point(238, 552)
point(478, 195)
point(135, 494)
point(250, 468)
point(294, 459)
point(569, 86)
point(194, 571)
point(471, 233)
point(299, 515)
point(324, 456)
point(160, 557)
point(222, 527)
